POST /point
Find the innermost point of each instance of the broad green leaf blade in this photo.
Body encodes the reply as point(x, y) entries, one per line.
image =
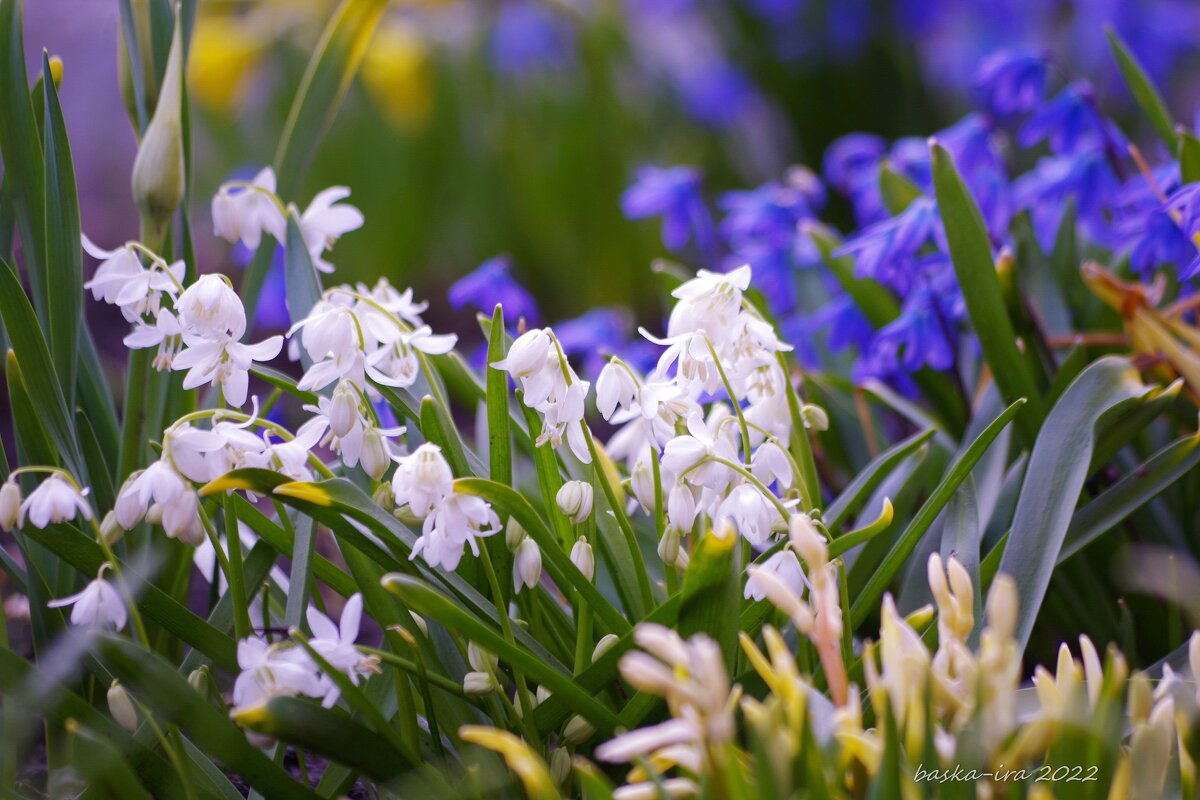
point(868, 599)
point(710, 598)
point(1139, 487)
point(427, 601)
point(64, 258)
point(328, 733)
point(971, 252)
point(1058, 465)
point(1142, 89)
point(41, 380)
point(20, 147)
point(160, 687)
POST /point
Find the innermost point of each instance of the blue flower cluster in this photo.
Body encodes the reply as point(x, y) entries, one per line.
point(1028, 149)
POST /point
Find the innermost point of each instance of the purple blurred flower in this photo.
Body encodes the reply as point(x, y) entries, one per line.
point(1162, 242)
point(595, 335)
point(272, 312)
point(716, 94)
point(852, 161)
point(1010, 82)
point(530, 36)
point(888, 251)
point(491, 283)
point(1044, 192)
point(672, 193)
point(1071, 124)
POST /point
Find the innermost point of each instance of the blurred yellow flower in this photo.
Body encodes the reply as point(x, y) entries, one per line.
point(223, 56)
point(396, 73)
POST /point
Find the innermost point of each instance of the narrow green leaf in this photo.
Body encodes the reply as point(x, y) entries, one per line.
point(868, 599)
point(971, 252)
point(441, 430)
point(709, 600)
point(303, 284)
point(64, 258)
point(1189, 157)
point(1058, 465)
point(857, 491)
point(898, 190)
point(499, 437)
point(20, 147)
point(1133, 491)
point(425, 600)
point(566, 575)
point(159, 686)
point(1142, 89)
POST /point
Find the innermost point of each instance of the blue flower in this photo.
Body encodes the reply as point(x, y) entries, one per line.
point(888, 251)
point(1071, 124)
point(716, 93)
point(672, 193)
point(272, 312)
point(491, 283)
point(1162, 242)
point(923, 335)
point(529, 36)
point(1088, 178)
point(1010, 82)
point(852, 161)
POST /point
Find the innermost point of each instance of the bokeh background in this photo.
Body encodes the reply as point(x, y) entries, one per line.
point(512, 126)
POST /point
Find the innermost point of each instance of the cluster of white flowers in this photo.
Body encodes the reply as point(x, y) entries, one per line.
point(243, 210)
point(450, 521)
point(284, 669)
point(717, 463)
point(550, 386)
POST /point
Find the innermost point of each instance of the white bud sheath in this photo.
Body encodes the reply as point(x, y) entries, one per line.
point(374, 458)
point(121, 707)
point(575, 500)
point(10, 504)
point(527, 565)
point(583, 558)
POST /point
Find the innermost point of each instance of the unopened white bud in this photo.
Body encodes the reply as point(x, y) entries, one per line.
point(343, 409)
point(481, 660)
point(669, 546)
point(158, 170)
point(605, 644)
point(384, 496)
point(181, 519)
point(560, 766)
point(583, 558)
point(198, 680)
point(110, 529)
point(129, 507)
point(121, 707)
point(575, 500)
point(578, 730)
point(815, 418)
point(478, 683)
point(514, 534)
point(10, 504)
point(374, 457)
point(527, 565)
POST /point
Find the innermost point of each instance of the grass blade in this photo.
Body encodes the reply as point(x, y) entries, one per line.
point(1142, 89)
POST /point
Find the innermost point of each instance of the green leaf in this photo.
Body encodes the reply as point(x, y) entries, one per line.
point(20, 147)
point(441, 430)
point(507, 502)
point(334, 62)
point(328, 733)
point(1163, 470)
point(868, 599)
point(1142, 89)
point(1058, 465)
point(710, 598)
point(971, 252)
point(425, 600)
point(860, 488)
point(82, 552)
point(160, 687)
point(499, 437)
point(41, 381)
point(303, 284)
point(897, 190)
point(64, 258)
point(1189, 157)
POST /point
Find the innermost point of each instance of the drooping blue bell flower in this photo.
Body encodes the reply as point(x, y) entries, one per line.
point(491, 283)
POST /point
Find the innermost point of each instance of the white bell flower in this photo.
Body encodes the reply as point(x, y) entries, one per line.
point(527, 565)
point(574, 499)
point(455, 522)
point(99, 605)
point(123, 281)
point(54, 500)
point(181, 519)
point(210, 308)
point(325, 220)
point(272, 671)
point(782, 565)
point(422, 479)
point(225, 362)
point(165, 334)
point(335, 644)
point(241, 213)
point(711, 300)
point(396, 363)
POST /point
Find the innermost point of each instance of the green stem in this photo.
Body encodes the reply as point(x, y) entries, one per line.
point(506, 630)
